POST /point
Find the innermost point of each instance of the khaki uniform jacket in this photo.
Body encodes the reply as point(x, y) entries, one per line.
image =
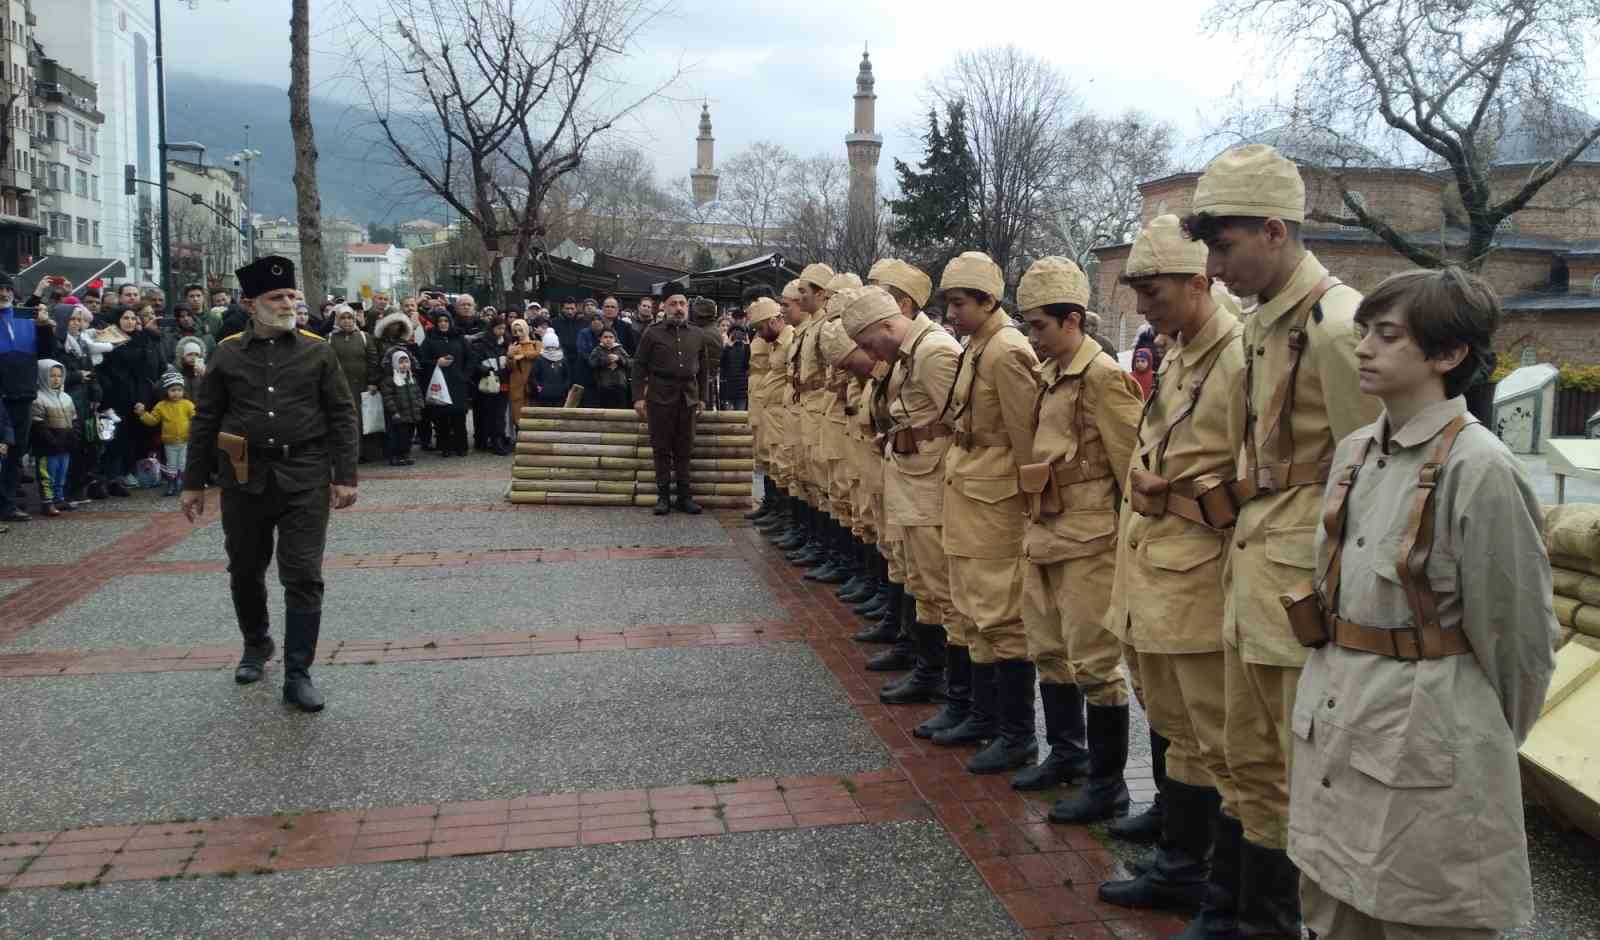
point(1092, 395)
point(814, 366)
point(791, 362)
point(760, 362)
point(1270, 552)
point(773, 386)
point(1405, 800)
point(1168, 592)
point(995, 393)
point(865, 457)
point(913, 493)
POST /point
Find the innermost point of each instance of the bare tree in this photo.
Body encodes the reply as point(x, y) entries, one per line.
point(611, 204)
point(490, 102)
point(815, 206)
point(752, 190)
point(1017, 108)
point(1433, 78)
point(308, 202)
point(1095, 198)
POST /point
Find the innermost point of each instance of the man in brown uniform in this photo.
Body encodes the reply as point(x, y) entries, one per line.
point(1167, 598)
point(990, 418)
point(282, 392)
point(1299, 399)
point(925, 360)
point(1085, 421)
point(670, 388)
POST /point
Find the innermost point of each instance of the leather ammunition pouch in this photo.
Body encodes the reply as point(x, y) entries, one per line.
point(1038, 484)
point(1308, 618)
point(907, 439)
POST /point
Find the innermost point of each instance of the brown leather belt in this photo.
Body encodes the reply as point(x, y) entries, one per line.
point(1279, 477)
point(1081, 471)
point(967, 440)
point(813, 385)
point(1401, 643)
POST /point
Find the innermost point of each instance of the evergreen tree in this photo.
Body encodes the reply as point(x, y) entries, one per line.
point(933, 218)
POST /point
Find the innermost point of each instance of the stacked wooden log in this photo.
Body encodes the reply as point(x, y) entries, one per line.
point(602, 457)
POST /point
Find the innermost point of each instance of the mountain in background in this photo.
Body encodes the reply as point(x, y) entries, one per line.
point(354, 170)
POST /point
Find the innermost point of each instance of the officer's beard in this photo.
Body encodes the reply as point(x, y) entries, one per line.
point(273, 324)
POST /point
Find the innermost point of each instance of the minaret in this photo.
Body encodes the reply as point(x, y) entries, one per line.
point(864, 146)
point(704, 178)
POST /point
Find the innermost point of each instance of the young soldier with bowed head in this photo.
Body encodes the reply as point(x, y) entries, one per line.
point(1085, 420)
point(1167, 598)
point(1299, 398)
point(1436, 644)
point(990, 419)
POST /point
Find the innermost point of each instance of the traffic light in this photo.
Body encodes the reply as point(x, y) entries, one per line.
point(128, 181)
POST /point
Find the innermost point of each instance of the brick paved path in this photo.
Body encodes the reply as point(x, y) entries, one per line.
point(576, 722)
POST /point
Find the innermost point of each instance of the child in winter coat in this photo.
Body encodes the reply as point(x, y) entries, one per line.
point(172, 414)
point(402, 406)
point(54, 435)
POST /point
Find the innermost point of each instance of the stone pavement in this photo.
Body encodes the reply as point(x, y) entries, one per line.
point(542, 722)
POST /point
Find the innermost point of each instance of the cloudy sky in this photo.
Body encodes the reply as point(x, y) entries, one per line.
point(786, 72)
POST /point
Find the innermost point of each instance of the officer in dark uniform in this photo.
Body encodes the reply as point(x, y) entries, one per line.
point(670, 382)
point(282, 391)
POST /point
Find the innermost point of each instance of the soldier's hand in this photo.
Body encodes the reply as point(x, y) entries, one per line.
point(194, 504)
point(343, 496)
point(638, 409)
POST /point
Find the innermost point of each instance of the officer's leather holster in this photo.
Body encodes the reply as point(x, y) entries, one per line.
point(1308, 617)
point(237, 450)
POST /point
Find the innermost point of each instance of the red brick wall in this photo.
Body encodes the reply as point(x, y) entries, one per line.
point(1564, 338)
point(1568, 207)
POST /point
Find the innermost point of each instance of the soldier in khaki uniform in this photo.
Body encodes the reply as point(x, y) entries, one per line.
point(760, 362)
point(1299, 398)
point(910, 289)
point(850, 361)
point(1167, 597)
point(810, 397)
point(866, 504)
point(1434, 652)
point(802, 432)
point(837, 564)
point(766, 387)
point(926, 359)
point(1085, 421)
point(787, 531)
point(990, 418)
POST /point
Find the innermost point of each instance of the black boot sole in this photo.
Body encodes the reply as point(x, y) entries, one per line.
point(1082, 808)
point(1062, 774)
point(984, 764)
point(1144, 894)
point(917, 694)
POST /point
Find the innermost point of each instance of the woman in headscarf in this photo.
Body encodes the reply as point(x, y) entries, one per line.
point(520, 356)
point(550, 380)
point(1143, 371)
point(358, 360)
point(77, 358)
point(128, 375)
point(446, 350)
point(489, 372)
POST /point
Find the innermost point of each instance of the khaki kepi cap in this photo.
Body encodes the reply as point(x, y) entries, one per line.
point(818, 275)
point(1162, 248)
point(835, 342)
point(1255, 181)
point(903, 277)
point(763, 309)
point(865, 307)
point(791, 290)
point(844, 280)
point(1053, 280)
point(973, 270)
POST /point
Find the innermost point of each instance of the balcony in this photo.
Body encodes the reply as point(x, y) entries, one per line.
point(13, 178)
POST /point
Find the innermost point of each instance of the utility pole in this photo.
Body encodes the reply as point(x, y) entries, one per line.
point(161, 150)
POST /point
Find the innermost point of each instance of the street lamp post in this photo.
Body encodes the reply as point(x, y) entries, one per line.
point(248, 158)
point(161, 152)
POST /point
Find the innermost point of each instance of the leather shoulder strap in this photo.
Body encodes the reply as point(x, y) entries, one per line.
point(1333, 524)
point(1283, 394)
point(1418, 543)
point(1159, 446)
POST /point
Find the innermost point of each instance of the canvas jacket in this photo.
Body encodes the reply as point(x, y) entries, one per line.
point(913, 493)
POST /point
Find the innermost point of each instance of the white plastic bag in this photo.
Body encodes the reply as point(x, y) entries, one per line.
point(438, 388)
point(371, 412)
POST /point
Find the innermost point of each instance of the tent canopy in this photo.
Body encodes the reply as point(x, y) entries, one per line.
point(729, 281)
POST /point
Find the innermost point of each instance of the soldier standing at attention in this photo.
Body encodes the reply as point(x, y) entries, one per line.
point(1167, 597)
point(798, 532)
point(1433, 641)
point(1299, 398)
point(670, 388)
point(1085, 422)
point(990, 416)
point(760, 352)
point(925, 360)
point(810, 404)
point(282, 391)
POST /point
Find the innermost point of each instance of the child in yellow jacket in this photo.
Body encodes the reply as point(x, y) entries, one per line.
point(173, 415)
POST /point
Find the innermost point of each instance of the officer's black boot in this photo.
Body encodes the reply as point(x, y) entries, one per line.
point(1269, 894)
point(1106, 794)
point(1146, 826)
point(886, 629)
point(686, 503)
point(957, 693)
point(299, 649)
point(1217, 918)
point(904, 653)
point(862, 584)
point(871, 606)
point(1063, 729)
point(251, 609)
point(923, 683)
point(1016, 745)
point(982, 721)
point(1177, 881)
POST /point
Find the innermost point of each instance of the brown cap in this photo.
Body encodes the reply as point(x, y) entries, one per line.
point(1254, 180)
point(1162, 248)
point(865, 307)
point(818, 274)
point(895, 273)
point(844, 280)
point(973, 270)
point(1053, 280)
point(762, 310)
point(836, 344)
point(791, 290)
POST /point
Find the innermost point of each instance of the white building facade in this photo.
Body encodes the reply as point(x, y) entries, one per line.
point(210, 238)
point(67, 124)
point(384, 269)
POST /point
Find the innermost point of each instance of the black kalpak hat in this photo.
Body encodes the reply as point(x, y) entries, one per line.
point(265, 275)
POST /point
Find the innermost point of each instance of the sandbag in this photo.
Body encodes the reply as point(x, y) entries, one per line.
point(1573, 529)
point(1585, 618)
point(1576, 584)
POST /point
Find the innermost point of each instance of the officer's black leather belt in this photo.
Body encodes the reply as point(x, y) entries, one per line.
point(286, 451)
point(669, 377)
